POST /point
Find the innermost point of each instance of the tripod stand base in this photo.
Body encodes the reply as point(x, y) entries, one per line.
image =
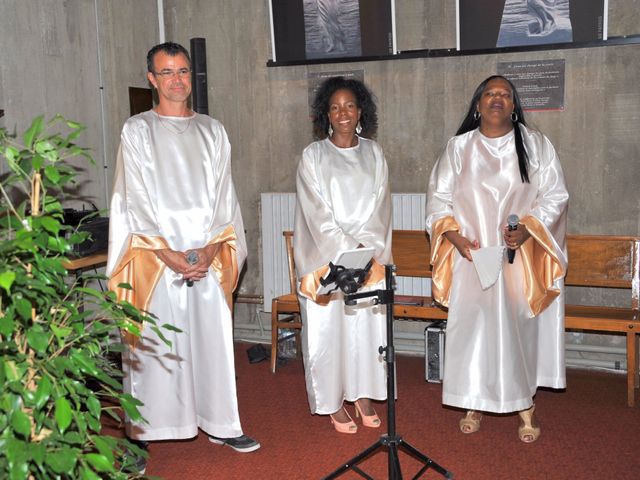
point(393, 444)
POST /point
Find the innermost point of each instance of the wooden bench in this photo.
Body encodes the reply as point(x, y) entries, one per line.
point(594, 261)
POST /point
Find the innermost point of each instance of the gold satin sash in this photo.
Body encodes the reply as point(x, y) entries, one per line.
point(141, 268)
point(225, 263)
point(541, 266)
point(310, 283)
point(442, 254)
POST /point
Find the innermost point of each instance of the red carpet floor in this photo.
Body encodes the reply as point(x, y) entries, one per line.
point(588, 432)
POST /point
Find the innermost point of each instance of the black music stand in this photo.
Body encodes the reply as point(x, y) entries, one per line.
point(392, 442)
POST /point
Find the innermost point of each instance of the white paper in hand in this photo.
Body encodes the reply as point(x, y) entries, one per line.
point(488, 263)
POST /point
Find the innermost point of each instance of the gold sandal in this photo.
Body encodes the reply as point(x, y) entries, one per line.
point(526, 431)
point(470, 423)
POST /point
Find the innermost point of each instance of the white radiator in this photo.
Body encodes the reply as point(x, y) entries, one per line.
point(277, 212)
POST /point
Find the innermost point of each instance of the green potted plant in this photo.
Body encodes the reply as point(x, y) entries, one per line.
point(57, 373)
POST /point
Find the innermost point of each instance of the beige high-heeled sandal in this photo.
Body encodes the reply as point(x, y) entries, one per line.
point(371, 421)
point(526, 431)
point(346, 427)
point(470, 423)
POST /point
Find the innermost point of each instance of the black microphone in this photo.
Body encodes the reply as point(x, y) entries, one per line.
point(512, 224)
point(192, 259)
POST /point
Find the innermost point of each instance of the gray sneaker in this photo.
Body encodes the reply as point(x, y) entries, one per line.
point(135, 461)
point(241, 444)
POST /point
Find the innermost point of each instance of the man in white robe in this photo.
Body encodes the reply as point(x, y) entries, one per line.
point(174, 196)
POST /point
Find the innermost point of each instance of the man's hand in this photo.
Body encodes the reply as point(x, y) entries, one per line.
point(462, 244)
point(177, 261)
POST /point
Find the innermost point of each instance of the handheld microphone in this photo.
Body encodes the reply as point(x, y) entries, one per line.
point(512, 224)
point(192, 259)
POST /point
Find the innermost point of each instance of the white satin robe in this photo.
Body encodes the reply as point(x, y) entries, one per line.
point(343, 200)
point(178, 186)
point(497, 353)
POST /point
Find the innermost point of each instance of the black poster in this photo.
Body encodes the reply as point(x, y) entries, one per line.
point(325, 29)
point(491, 24)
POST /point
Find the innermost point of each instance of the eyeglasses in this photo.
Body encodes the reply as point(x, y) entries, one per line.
point(183, 72)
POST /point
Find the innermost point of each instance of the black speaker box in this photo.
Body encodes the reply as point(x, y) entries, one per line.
point(97, 227)
point(200, 100)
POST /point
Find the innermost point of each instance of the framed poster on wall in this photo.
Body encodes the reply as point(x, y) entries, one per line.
point(324, 29)
point(513, 23)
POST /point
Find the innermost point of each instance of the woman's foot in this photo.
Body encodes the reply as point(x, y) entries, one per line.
point(365, 409)
point(529, 430)
point(470, 423)
point(342, 422)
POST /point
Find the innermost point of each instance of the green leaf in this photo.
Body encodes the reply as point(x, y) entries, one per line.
point(23, 307)
point(6, 280)
point(18, 471)
point(74, 438)
point(62, 414)
point(11, 153)
point(104, 447)
point(61, 461)
point(37, 161)
point(37, 339)
point(20, 423)
point(60, 332)
point(130, 406)
point(85, 363)
point(93, 404)
point(37, 452)
point(52, 173)
point(43, 146)
point(11, 370)
point(43, 392)
point(50, 224)
point(7, 325)
point(34, 130)
point(173, 328)
point(99, 462)
point(88, 474)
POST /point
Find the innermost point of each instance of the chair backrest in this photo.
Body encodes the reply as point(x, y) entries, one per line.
point(411, 250)
point(604, 261)
point(288, 240)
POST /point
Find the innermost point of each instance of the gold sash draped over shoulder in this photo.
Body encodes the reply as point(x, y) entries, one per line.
point(141, 268)
point(310, 283)
point(442, 254)
point(541, 265)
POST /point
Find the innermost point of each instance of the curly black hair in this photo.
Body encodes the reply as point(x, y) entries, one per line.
point(364, 100)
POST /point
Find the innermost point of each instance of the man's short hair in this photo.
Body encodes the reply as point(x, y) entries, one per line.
point(170, 48)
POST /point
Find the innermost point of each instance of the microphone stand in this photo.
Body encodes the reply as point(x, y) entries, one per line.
point(392, 442)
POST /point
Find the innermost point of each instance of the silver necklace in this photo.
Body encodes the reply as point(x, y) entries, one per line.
point(173, 129)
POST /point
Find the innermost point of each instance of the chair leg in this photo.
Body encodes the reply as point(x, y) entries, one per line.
point(274, 338)
point(632, 360)
point(298, 343)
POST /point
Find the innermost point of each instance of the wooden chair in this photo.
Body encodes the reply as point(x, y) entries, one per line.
point(286, 305)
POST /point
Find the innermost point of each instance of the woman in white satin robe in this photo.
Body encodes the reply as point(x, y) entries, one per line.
point(505, 341)
point(343, 202)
